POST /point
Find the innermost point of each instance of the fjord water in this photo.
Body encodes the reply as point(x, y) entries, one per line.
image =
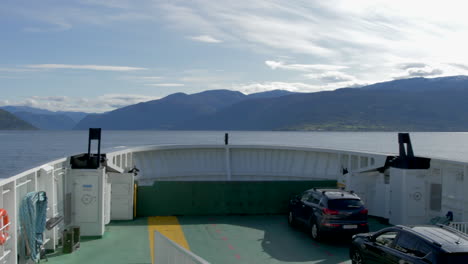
point(22, 150)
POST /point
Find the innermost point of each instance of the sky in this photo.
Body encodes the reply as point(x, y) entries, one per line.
point(96, 56)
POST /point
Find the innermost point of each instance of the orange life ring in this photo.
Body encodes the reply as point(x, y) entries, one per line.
point(5, 225)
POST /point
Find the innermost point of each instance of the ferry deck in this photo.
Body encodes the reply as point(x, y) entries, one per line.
point(228, 202)
point(217, 239)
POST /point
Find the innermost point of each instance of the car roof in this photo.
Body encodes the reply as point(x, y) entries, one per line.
point(447, 238)
point(337, 193)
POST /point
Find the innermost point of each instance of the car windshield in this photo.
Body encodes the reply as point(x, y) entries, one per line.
point(344, 204)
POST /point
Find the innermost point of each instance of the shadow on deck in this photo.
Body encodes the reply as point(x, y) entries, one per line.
point(261, 239)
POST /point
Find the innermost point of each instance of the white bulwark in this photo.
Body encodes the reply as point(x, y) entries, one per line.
point(91, 198)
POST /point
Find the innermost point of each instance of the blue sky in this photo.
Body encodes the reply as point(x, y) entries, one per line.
point(95, 56)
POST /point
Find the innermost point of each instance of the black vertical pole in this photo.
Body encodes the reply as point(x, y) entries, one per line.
point(226, 139)
point(89, 144)
point(404, 138)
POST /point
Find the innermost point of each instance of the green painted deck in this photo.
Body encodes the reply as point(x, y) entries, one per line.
point(218, 239)
point(123, 242)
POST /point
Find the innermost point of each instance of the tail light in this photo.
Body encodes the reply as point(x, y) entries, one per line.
point(364, 211)
point(330, 212)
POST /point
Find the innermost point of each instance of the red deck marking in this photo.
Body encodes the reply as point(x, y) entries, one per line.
point(237, 256)
point(224, 238)
point(230, 247)
point(217, 231)
point(316, 245)
point(328, 253)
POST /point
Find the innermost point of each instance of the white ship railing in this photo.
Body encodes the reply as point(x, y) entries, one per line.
point(241, 162)
point(440, 188)
point(50, 178)
point(232, 162)
point(460, 226)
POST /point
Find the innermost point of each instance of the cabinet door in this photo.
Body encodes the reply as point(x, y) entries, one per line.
point(122, 191)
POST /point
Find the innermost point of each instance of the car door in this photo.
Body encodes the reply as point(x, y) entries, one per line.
point(410, 249)
point(377, 249)
point(311, 207)
point(302, 208)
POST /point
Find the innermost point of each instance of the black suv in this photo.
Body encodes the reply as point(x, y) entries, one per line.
point(415, 244)
point(329, 210)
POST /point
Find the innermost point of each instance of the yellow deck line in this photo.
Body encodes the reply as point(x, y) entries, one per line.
point(168, 226)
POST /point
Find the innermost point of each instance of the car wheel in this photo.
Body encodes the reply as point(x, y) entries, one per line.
point(291, 220)
point(356, 258)
point(314, 231)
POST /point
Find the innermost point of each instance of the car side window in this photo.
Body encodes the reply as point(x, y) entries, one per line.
point(322, 202)
point(314, 198)
point(412, 245)
point(386, 239)
point(305, 196)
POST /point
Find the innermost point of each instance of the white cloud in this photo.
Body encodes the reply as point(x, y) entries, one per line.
point(16, 70)
point(367, 37)
point(409, 65)
point(205, 38)
point(84, 67)
point(165, 84)
point(430, 70)
point(338, 42)
point(151, 77)
point(424, 72)
point(332, 77)
point(269, 86)
point(302, 67)
point(96, 104)
point(460, 66)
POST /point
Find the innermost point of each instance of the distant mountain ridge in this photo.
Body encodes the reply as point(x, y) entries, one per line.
point(9, 121)
point(45, 119)
point(270, 94)
point(422, 84)
point(417, 104)
point(164, 113)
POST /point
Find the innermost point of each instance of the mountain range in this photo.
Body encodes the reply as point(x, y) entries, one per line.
point(45, 119)
point(8, 121)
point(171, 112)
point(417, 104)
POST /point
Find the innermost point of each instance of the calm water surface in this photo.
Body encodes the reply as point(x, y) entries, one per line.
point(22, 150)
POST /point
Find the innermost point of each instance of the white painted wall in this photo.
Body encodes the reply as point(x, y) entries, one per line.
point(242, 163)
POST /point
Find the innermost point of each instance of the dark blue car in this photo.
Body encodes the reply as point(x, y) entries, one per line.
point(325, 211)
point(413, 244)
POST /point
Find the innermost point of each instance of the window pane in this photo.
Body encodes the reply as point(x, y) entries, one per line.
point(344, 204)
point(386, 239)
point(412, 245)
